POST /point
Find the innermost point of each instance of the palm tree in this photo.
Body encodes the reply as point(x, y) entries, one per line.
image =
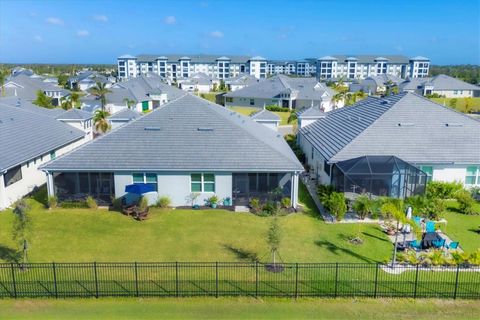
point(292, 117)
point(129, 102)
point(338, 97)
point(66, 103)
point(75, 99)
point(3, 76)
point(100, 121)
point(100, 90)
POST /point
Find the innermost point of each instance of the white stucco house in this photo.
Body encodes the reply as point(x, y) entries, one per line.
point(442, 85)
point(198, 82)
point(407, 135)
point(283, 91)
point(123, 117)
point(79, 119)
point(266, 118)
point(29, 137)
point(187, 146)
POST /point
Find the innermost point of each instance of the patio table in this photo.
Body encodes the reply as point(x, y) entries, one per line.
point(428, 238)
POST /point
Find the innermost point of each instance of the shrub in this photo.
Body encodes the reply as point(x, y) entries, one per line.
point(291, 139)
point(117, 203)
point(465, 202)
point(443, 190)
point(432, 208)
point(270, 208)
point(474, 257)
point(362, 206)
point(453, 103)
point(324, 191)
point(255, 205)
point(164, 202)
point(277, 109)
point(213, 199)
point(336, 204)
point(52, 202)
point(91, 203)
point(143, 203)
point(286, 202)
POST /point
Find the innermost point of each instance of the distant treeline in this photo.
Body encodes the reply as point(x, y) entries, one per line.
point(468, 73)
point(58, 69)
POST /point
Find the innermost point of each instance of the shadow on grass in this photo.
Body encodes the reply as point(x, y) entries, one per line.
point(374, 236)
point(242, 254)
point(40, 195)
point(477, 231)
point(333, 248)
point(9, 255)
point(309, 206)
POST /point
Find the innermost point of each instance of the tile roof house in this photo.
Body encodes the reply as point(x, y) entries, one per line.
point(28, 139)
point(187, 146)
point(440, 141)
point(267, 118)
point(376, 84)
point(26, 87)
point(283, 91)
point(80, 119)
point(443, 85)
point(200, 82)
point(241, 81)
point(146, 91)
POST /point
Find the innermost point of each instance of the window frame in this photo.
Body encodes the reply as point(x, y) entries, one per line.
point(475, 176)
point(144, 178)
point(202, 182)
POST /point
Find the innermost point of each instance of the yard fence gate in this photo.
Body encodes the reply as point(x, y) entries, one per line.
point(178, 279)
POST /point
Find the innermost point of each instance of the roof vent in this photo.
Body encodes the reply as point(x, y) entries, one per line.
point(151, 128)
point(205, 129)
point(406, 124)
point(453, 124)
point(384, 102)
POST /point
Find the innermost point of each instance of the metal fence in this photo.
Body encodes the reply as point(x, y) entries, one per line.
point(61, 280)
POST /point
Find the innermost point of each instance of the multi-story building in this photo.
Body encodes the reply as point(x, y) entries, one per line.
point(363, 66)
point(173, 67)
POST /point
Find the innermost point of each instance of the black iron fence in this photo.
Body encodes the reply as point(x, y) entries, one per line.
point(60, 280)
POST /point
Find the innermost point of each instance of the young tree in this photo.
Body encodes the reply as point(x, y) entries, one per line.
point(21, 227)
point(129, 102)
point(274, 238)
point(43, 100)
point(75, 98)
point(66, 103)
point(100, 121)
point(3, 76)
point(100, 90)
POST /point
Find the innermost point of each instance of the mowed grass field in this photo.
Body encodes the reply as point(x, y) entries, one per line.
point(83, 235)
point(461, 102)
point(249, 110)
point(238, 308)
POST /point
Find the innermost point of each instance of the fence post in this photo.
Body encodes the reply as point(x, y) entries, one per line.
point(55, 279)
point(376, 280)
point(176, 278)
point(296, 280)
point(136, 279)
point(14, 281)
point(96, 278)
point(416, 283)
point(256, 278)
point(336, 279)
point(456, 282)
point(216, 279)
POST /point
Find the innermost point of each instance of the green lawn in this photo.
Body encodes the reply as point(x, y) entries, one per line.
point(463, 228)
point(460, 106)
point(238, 308)
point(210, 96)
point(249, 110)
point(65, 235)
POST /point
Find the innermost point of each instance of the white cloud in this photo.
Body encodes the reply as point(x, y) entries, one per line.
point(216, 34)
point(101, 18)
point(38, 38)
point(83, 33)
point(55, 21)
point(170, 20)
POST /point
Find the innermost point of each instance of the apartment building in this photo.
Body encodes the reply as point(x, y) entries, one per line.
point(363, 66)
point(174, 67)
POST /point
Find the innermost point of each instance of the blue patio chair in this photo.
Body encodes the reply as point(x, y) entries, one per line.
point(453, 245)
point(430, 226)
point(439, 243)
point(415, 244)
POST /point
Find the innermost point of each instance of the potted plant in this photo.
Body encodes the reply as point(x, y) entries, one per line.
point(227, 202)
point(213, 201)
point(192, 197)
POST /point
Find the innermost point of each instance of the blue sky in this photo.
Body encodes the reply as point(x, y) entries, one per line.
point(89, 31)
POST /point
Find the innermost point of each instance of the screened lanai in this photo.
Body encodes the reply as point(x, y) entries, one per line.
point(378, 176)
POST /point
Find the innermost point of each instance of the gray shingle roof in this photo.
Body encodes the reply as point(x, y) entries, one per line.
point(368, 58)
point(25, 135)
point(138, 88)
point(444, 82)
point(265, 115)
point(17, 102)
point(405, 125)
point(307, 88)
point(75, 114)
point(189, 133)
point(125, 115)
point(195, 58)
point(26, 87)
point(311, 113)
